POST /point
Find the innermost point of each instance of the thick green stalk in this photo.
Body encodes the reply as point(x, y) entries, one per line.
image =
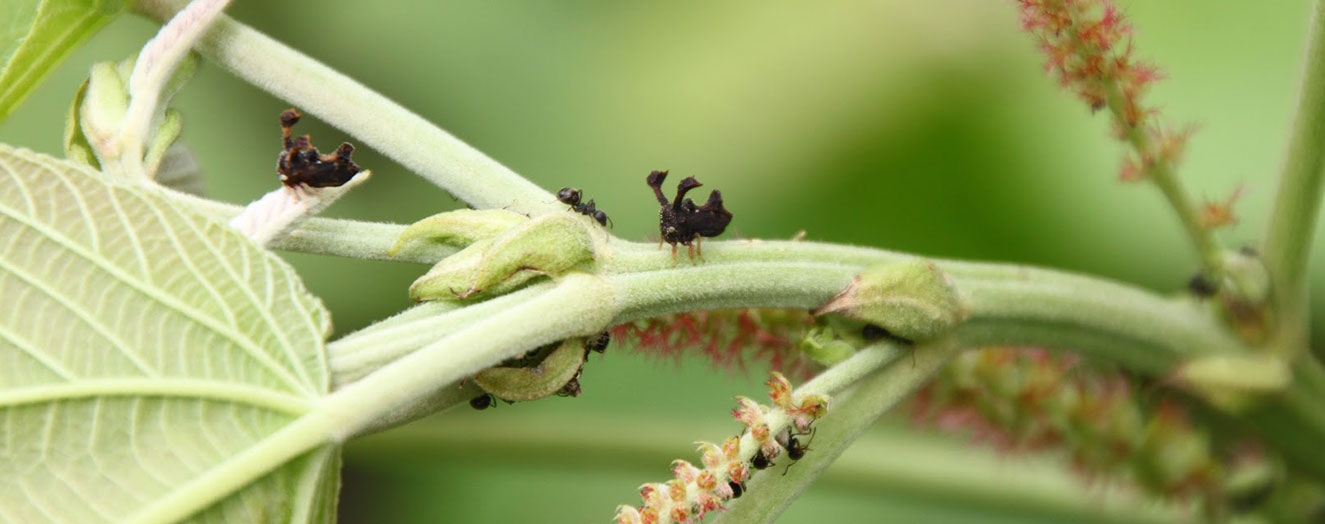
point(1297, 202)
point(367, 115)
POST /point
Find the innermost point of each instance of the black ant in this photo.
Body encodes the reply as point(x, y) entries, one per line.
point(597, 343)
point(736, 488)
point(300, 164)
point(1201, 286)
point(873, 332)
point(483, 401)
point(796, 450)
point(761, 461)
point(682, 221)
point(571, 197)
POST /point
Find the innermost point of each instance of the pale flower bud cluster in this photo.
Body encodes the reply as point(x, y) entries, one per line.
point(693, 492)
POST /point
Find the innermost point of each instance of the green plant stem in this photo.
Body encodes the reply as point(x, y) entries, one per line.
point(849, 417)
point(328, 236)
point(1297, 203)
point(375, 120)
point(1159, 170)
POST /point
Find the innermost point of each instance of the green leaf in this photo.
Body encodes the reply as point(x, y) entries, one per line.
point(36, 35)
point(143, 346)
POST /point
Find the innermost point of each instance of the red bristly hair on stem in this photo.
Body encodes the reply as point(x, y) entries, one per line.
point(728, 337)
point(1089, 48)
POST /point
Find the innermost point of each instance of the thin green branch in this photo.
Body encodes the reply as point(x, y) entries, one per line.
point(375, 120)
point(1297, 203)
point(1159, 171)
point(850, 415)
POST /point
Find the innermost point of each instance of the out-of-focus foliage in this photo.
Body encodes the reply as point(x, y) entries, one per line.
point(921, 126)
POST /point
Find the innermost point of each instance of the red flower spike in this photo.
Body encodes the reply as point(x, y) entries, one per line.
point(685, 472)
point(676, 490)
point(731, 448)
point(706, 481)
point(779, 391)
point(760, 432)
point(738, 472)
point(1220, 214)
point(747, 411)
point(680, 514)
point(711, 455)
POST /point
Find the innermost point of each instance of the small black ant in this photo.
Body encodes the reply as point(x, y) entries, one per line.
point(1201, 286)
point(683, 222)
point(483, 401)
point(873, 332)
point(736, 488)
point(300, 164)
point(571, 197)
point(795, 449)
point(761, 461)
point(597, 343)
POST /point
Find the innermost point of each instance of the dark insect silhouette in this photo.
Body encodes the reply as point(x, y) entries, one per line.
point(795, 449)
point(761, 461)
point(597, 343)
point(736, 488)
point(873, 332)
point(300, 164)
point(683, 222)
point(1201, 286)
point(483, 402)
point(571, 197)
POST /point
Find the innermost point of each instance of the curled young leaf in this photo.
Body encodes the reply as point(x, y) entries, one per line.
point(548, 245)
point(532, 383)
point(461, 227)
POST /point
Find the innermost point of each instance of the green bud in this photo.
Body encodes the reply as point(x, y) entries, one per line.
point(461, 227)
point(166, 134)
point(1233, 382)
point(548, 245)
point(548, 377)
point(825, 347)
point(105, 103)
point(913, 299)
point(76, 146)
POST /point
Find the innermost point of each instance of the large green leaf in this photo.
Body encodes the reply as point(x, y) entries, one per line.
point(36, 34)
point(141, 347)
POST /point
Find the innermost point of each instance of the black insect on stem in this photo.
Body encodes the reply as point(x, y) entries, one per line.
point(736, 487)
point(795, 449)
point(1202, 286)
point(483, 401)
point(300, 164)
point(683, 222)
point(571, 197)
point(597, 343)
point(873, 332)
point(761, 461)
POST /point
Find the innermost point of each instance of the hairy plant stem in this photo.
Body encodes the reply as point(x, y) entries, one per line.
point(1292, 222)
point(370, 117)
point(1159, 170)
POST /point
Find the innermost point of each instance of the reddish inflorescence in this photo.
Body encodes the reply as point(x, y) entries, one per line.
point(1088, 45)
point(728, 337)
point(1030, 399)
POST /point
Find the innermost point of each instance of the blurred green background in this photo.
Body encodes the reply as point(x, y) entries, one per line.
point(927, 127)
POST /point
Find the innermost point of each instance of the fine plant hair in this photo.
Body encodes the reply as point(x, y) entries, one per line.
point(160, 363)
